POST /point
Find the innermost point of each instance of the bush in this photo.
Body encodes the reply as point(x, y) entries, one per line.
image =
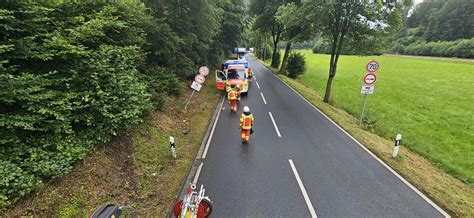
point(15, 182)
point(296, 65)
point(160, 83)
point(67, 85)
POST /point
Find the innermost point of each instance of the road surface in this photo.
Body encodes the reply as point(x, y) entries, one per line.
point(297, 164)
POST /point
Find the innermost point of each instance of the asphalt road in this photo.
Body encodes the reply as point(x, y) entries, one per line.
point(331, 176)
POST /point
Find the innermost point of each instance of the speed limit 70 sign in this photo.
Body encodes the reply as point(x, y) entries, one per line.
point(372, 66)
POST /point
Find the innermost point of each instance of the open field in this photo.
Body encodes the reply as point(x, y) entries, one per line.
point(430, 102)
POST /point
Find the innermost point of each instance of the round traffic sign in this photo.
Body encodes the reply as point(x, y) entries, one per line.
point(372, 66)
point(370, 79)
point(199, 79)
point(204, 70)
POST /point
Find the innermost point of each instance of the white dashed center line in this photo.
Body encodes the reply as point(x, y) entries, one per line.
point(274, 124)
point(303, 190)
point(263, 97)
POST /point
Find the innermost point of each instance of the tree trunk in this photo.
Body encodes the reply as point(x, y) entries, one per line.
point(328, 88)
point(332, 73)
point(275, 49)
point(285, 57)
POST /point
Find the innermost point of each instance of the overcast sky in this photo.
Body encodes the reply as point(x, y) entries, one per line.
point(417, 2)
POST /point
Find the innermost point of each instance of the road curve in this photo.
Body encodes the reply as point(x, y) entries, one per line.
point(297, 164)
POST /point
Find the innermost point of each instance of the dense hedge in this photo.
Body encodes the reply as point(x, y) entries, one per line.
point(69, 80)
point(463, 48)
point(75, 74)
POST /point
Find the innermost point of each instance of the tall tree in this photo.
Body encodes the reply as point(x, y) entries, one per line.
point(265, 21)
point(360, 23)
point(296, 26)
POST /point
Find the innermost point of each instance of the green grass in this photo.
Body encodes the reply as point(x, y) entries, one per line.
point(72, 207)
point(430, 102)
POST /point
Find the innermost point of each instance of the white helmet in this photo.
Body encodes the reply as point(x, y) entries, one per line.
point(246, 109)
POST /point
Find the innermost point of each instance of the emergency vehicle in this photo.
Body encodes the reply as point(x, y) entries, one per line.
point(236, 73)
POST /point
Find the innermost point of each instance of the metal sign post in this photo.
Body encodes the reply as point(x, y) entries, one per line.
point(368, 88)
point(363, 107)
point(197, 83)
point(189, 100)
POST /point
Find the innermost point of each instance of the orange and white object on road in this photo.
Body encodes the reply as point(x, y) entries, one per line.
point(194, 205)
point(232, 97)
point(235, 74)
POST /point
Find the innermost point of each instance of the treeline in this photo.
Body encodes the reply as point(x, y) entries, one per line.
point(438, 28)
point(338, 27)
point(75, 74)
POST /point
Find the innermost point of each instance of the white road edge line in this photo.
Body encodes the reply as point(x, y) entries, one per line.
point(257, 84)
point(373, 155)
point(198, 172)
point(263, 97)
point(274, 124)
point(303, 190)
point(212, 131)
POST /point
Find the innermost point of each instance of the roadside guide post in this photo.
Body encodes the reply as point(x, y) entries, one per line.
point(396, 148)
point(173, 147)
point(197, 83)
point(369, 81)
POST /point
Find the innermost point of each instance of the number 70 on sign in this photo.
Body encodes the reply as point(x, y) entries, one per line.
point(372, 66)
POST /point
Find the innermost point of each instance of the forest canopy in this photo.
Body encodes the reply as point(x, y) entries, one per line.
point(438, 28)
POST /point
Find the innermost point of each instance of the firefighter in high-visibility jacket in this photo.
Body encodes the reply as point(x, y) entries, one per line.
point(246, 123)
point(228, 87)
point(232, 97)
point(250, 73)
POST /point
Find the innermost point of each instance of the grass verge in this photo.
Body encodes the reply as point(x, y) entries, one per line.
point(136, 169)
point(448, 192)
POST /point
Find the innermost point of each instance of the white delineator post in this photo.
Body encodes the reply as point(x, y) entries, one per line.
point(173, 147)
point(396, 148)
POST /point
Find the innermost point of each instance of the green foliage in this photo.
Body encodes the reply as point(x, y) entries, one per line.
point(463, 48)
point(323, 47)
point(308, 44)
point(361, 24)
point(16, 181)
point(437, 28)
point(296, 24)
point(160, 83)
point(65, 87)
point(296, 65)
point(266, 22)
point(443, 20)
point(75, 74)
